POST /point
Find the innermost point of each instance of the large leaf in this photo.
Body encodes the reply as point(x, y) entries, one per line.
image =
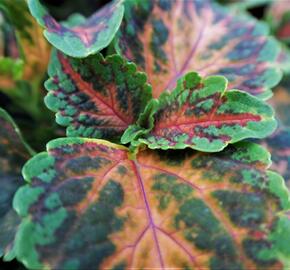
point(170, 38)
point(202, 114)
point(96, 97)
point(13, 155)
point(279, 146)
point(87, 205)
point(85, 36)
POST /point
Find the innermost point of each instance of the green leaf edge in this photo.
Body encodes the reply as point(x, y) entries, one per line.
point(135, 133)
point(25, 243)
point(37, 10)
point(54, 68)
point(275, 71)
point(8, 118)
point(4, 115)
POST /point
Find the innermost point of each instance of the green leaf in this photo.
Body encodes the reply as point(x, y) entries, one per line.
point(87, 205)
point(13, 154)
point(167, 39)
point(87, 37)
point(202, 114)
point(12, 68)
point(96, 97)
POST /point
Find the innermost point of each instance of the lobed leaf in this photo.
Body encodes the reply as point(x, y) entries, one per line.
point(170, 38)
point(13, 154)
point(202, 114)
point(85, 36)
point(87, 205)
point(96, 97)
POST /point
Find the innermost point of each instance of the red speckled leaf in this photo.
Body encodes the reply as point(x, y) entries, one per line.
point(89, 206)
point(170, 38)
point(96, 97)
point(204, 115)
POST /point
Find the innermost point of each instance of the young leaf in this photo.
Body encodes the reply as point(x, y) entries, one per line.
point(86, 37)
point(87, 205)
point(170, 38)
point(203, 115)
point(96, 97)
point(279, 146)
point(13, 154)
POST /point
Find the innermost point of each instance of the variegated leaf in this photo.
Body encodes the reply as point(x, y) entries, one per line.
point(202, 114)
point(96, 97)
point(13, 155)
point(85, 36)
point(170, 38)
point(87, 205)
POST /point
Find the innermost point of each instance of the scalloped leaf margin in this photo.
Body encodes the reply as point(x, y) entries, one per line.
point(86, 204)
point(201, 114)
point(167, 39)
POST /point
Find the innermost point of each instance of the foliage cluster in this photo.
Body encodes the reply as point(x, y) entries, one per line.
point(171, 136)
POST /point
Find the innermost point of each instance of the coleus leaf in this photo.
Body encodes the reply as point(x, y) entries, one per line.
point(170, 38)
point(86, 37)
point(87, 204)
point(96, 97)
point(202, 114)
point(279, 146)
point(13, 154)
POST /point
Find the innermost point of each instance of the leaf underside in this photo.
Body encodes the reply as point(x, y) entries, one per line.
point(96, 97)
point(87, 205)
point(85, 36)
point(167, 39)
point(13, 155)
point(204, 115)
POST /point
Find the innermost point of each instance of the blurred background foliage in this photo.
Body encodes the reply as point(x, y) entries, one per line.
point(24, 55)
point(23, 65)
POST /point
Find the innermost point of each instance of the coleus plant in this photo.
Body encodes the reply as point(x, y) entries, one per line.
point(157, 170)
